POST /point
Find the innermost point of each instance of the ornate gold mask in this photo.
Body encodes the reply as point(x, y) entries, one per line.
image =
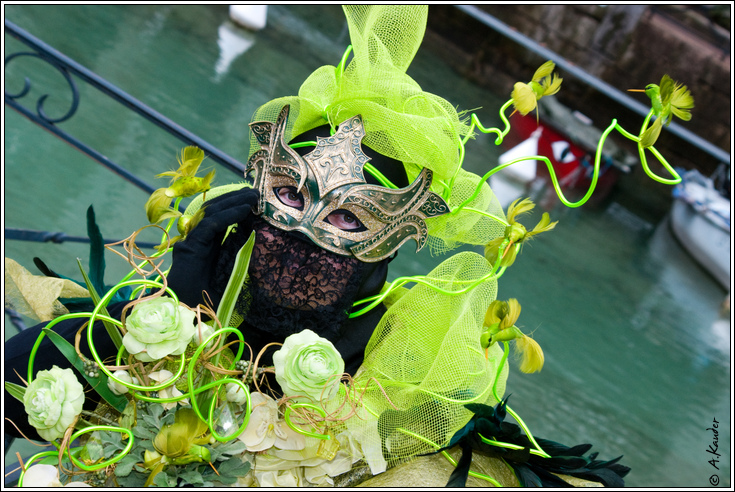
point(324, 194)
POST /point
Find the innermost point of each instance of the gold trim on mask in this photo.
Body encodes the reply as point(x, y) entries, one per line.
point(330, 179)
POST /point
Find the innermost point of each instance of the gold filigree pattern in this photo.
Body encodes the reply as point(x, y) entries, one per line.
point(330, 178)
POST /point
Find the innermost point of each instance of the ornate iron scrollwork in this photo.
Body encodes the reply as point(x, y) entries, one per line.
point(39, 104)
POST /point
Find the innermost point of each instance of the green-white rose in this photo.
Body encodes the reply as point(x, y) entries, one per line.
point(306, 363)
point(52, 401)
point(157, 328)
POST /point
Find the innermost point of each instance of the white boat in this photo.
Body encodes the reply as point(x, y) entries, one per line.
point(700, 220)
point(253, 17)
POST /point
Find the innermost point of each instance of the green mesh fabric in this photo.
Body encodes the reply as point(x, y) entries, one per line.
point(417, 128)
point(468, 226)
point(426, 359)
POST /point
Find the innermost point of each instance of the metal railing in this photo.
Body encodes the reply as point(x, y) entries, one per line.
point(72, 71)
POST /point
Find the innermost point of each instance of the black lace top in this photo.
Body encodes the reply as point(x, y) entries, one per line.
point(294, 285)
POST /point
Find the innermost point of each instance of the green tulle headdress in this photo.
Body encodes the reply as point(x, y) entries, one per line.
point(403, 122)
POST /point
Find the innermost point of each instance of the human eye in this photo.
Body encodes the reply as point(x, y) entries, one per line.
point(289, 197)
point(345, 220)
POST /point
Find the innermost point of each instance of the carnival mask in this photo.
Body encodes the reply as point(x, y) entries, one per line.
point(325, 196)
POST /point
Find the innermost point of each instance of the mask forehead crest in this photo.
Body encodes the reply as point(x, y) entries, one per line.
point(338, 160)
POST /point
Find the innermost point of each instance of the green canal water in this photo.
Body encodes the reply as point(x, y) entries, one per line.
point(638, 358)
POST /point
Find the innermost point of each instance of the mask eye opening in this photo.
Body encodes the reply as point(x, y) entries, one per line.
point(345, 220)
point(288, 196)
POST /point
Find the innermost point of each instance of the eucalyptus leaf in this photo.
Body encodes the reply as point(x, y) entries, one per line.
point(163, 479)
point(155, 410)
point(234, 465)
point(99, 384)
point(144, 432)
point(167, 419)
point(230, 470)
point(151, 420)
point(135, 479)
point(93, 450)
point(192, 477)
point(125, 465)
point(225, 479)
point(127, 418)
point(146, 444)
point(232, 448)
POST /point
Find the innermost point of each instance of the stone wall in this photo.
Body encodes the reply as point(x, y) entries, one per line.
point(627, 46)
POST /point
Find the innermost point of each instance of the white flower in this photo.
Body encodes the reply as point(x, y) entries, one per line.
point(236, 394)
point(201, 334)
point(282, 478)
point(52, 401)
point(264, 430)
point(306, 364)
point(157, 328)
point(117, 388)
point(349, 452)
point(163, 376)
point(317, 470)
point(41, 476)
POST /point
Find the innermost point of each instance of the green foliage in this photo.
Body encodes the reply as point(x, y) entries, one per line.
point(96, 252)
point(111, 329)
point(15, 390)
point(235, 283)
point(98, 383)
point(131, 472)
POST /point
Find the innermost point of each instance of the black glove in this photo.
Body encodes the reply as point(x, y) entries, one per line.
point(195, 258)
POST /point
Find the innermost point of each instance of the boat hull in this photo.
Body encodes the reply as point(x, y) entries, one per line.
point(705, 241)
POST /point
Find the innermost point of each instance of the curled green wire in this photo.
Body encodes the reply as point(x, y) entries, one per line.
point(192, 391)
point(494, 274)
point(103, 302)
point(105, 463)
point(419, 279)
point(287, 419)
point(449, 458)
point(49, 325)
point(33, 458)
point(641, 153)
point(596, 169)
point(539, 450)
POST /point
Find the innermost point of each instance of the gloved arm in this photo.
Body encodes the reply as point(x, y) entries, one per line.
point(17, 355)
point(195, 258)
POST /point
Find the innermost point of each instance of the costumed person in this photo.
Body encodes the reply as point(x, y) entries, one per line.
point(360, 162)
point(306, 271)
